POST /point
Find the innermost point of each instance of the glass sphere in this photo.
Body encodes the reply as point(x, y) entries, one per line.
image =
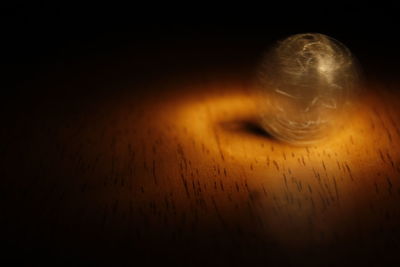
point(306, 81)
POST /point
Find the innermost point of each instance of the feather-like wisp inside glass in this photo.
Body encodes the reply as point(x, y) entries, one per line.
point(306, 82)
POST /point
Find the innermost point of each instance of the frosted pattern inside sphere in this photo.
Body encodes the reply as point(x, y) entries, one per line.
point(306, 81)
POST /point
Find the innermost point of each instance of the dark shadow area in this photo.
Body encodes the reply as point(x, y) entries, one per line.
point(249, 126)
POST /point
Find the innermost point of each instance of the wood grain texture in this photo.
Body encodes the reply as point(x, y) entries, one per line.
point(179, 172)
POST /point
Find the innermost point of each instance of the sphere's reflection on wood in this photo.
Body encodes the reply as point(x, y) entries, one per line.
point(189, 177)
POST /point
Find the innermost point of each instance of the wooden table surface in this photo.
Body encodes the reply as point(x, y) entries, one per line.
point(174, 169)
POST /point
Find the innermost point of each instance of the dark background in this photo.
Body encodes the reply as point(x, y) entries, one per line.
point(43, 44)
point(38, 36)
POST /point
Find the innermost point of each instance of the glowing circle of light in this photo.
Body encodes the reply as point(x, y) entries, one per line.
point(306, 82)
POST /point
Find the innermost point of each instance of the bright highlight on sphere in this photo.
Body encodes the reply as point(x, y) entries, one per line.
point(306, 82)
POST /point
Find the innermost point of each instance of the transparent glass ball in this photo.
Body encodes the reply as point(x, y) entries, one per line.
point(306, 82)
